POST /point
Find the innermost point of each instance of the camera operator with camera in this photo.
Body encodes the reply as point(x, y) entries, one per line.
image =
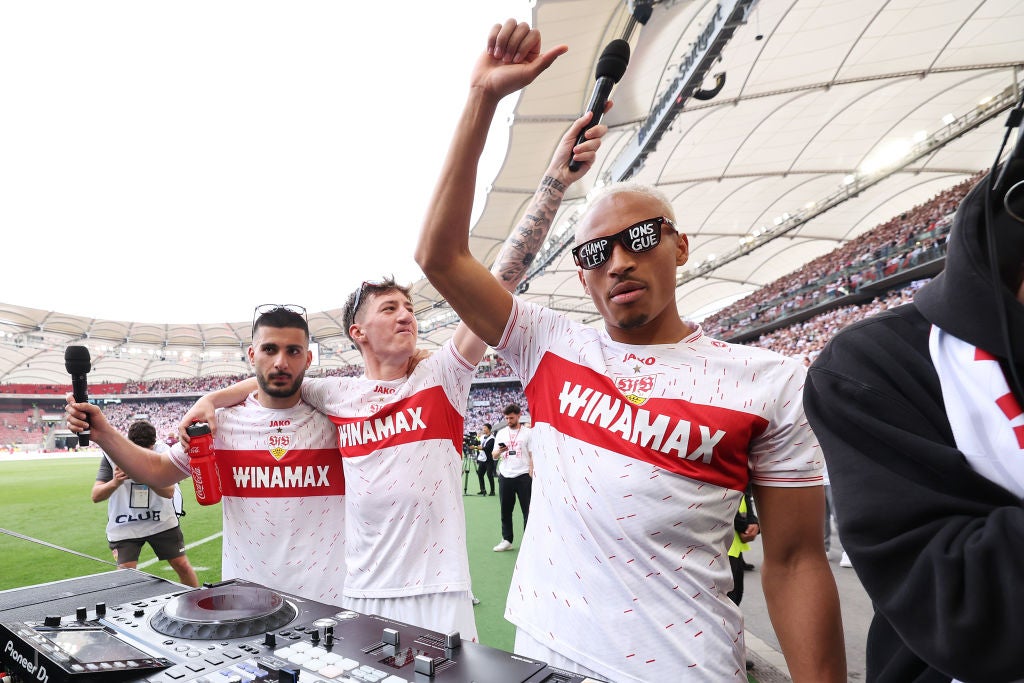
point(470, 447)
point(486, 465)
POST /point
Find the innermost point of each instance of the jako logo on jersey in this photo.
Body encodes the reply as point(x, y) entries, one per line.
point(636, 426)
point(383, 390)
point(280, 477)
point(280, 423)
point(630, 356)
point(381, 428)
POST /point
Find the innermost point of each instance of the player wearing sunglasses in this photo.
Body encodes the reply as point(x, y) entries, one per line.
point(647, 433)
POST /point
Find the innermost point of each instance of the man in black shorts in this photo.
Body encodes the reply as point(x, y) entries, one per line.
point(138, 514)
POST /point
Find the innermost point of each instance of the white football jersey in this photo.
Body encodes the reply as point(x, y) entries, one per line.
point(284, 499)
point(401, 443)
point(641, 454)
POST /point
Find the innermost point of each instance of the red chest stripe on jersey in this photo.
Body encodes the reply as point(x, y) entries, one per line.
point(702, 442)
point(257, 474)
point(424, 416)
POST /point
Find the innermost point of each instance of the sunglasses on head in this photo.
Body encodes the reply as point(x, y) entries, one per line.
point(637, 238)
point(361, 292)
point(263, 309)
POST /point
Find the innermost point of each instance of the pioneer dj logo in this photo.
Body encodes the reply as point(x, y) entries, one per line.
point(37, 671)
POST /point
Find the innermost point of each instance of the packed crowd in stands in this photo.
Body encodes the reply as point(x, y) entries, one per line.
point(806, 339)
point(487, 404)
point(185, 385)
point(20, 426)
point(164, 414)
point(492, 367)
point(916, 236)
point(912, 238)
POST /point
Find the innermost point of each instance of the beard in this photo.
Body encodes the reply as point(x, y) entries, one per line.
point(635, 322)
point(278, 391)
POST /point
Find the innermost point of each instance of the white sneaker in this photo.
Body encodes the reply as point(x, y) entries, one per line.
point(503, 546)
point(844, 561)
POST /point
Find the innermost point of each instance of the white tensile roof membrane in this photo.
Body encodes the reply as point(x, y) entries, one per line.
point(833, 117)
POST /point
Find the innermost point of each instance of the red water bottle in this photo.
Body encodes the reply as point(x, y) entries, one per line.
point(202, 461)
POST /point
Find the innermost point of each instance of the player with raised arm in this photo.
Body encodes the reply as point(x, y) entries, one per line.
point(399, 430)
point(646, 434)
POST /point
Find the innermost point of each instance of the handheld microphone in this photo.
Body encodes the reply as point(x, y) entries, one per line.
point(78, 363)
point(610, 67)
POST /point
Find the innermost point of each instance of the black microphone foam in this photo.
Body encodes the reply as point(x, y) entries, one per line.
point(78, 363)
point(613, 60)
point(611, 65)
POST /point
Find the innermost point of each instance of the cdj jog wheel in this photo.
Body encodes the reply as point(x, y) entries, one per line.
point(222, 612)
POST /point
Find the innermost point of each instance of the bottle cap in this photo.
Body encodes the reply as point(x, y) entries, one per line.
point(197, 429)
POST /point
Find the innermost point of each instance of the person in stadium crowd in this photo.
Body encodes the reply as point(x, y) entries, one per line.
point(645, 435)
point(515, 472)
point(399, 430)
point(918, 410)
point(485, 464)
point(283, 486)
point(138, 514)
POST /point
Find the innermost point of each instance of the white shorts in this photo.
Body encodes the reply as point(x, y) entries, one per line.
point(443, 612)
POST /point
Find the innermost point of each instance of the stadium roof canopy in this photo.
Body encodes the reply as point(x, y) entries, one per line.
point(780, 129)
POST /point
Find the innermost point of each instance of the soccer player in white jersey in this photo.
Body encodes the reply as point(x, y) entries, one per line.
point(283, 484)
point(645, 434)
point(399, 430)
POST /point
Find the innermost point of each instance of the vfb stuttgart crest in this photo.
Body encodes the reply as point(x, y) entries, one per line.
point(636, 389)
point(278, 444)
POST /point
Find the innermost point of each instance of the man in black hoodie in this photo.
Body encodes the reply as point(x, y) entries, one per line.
point(918, 413)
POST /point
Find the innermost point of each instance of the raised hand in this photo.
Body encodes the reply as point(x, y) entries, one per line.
point(512, 60)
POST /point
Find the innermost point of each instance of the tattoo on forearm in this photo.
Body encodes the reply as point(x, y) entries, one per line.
point(526, 239)
point(548, 181)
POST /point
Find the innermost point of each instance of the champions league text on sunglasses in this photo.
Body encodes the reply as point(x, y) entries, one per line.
point(637, 238)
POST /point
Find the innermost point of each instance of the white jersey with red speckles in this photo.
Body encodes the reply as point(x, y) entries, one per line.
point(284, 499)
point(640, 456)
point(401, 442)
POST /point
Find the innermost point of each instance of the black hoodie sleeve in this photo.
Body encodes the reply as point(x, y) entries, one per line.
point(938, 547)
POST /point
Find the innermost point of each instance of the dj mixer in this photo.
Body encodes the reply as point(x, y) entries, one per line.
point(233, 632)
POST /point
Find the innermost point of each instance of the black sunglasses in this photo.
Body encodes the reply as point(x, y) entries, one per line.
point(637, 238)
point(263, 309)
point(361, 291)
